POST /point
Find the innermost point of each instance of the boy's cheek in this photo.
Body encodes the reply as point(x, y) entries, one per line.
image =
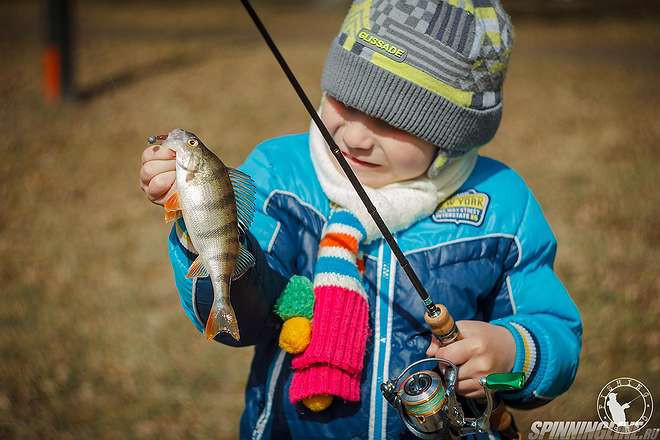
point(331, 119)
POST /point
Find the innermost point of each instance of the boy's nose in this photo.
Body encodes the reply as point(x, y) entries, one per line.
point(358, 136)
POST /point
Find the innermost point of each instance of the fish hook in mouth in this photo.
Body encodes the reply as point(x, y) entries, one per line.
point(157, 139)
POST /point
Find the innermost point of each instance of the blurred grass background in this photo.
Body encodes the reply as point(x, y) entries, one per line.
point(92, 339)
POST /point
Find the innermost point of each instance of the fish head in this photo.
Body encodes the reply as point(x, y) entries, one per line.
point(187, 146)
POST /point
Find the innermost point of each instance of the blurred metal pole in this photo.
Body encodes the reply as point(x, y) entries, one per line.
point(58, 51)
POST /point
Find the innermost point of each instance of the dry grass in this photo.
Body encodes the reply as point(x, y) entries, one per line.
point(92, 339)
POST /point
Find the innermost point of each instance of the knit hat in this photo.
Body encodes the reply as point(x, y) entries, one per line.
point(432, 68)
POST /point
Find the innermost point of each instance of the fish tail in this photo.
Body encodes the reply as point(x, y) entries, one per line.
point(222, 319)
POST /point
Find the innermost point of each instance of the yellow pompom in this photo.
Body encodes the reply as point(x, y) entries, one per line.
point(318, 403)
point(295, 335)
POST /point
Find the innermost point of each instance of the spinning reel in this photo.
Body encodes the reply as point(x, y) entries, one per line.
point(426, 399)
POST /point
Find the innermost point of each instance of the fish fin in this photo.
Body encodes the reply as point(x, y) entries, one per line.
point(171, 216)
point(197, 269)
point(244, 262)
point(244, 191)
point(172, 203)
point(222, 319)
point(172, 208)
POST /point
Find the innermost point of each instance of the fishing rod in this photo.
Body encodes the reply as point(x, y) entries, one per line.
point(425, 390)
point(437, 316)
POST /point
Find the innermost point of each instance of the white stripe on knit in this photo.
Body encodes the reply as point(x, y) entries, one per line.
point(336, 251)
point(341, 228)
point(530, 349)
point(343, 281)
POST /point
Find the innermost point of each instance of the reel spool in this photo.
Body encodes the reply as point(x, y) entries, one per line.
point(426, 399)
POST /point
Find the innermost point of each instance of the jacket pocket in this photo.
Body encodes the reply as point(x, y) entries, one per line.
point(342, 420)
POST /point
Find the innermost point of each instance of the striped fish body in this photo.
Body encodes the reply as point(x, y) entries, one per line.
point(208, 207)
point(215, 202)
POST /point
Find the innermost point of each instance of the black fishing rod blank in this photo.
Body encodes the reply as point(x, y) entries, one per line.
point(433, 311)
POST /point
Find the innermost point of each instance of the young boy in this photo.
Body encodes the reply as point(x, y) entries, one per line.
point(412, 90)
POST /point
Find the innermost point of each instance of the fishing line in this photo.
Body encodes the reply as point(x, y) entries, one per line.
point(433, 311)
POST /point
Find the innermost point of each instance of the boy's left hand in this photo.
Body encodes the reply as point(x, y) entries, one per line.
point(484, 349)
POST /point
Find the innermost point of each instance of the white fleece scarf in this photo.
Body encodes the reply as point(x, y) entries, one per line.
point(400, 204)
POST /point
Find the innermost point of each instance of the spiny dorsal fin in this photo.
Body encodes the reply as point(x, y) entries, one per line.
point(244, 191)
point(197, 269)
point(244, 262)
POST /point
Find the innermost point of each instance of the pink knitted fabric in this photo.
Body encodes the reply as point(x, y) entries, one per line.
point(324, 379)
point(332, 363)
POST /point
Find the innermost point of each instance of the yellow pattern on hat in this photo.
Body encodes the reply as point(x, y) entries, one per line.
point(356, 20)
point(423, 79)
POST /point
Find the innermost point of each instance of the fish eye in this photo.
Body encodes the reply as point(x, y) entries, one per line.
point(193, 142)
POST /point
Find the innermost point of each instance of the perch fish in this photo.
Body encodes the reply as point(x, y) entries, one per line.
point(217, 205)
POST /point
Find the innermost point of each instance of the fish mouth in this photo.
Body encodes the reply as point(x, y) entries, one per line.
point(159, 140)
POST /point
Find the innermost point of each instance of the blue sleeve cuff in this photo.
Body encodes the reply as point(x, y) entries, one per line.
point(527, 361)
point(526, 350)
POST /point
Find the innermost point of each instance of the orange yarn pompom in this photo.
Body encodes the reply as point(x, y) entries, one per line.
point(295, 335)
point(318, 403)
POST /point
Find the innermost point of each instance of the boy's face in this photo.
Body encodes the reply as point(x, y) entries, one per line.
point(378, 153)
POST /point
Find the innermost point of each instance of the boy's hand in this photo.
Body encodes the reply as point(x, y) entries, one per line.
point(484, 349)
point(157, 173)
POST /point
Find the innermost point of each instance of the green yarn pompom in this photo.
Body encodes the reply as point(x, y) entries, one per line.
point(297, 299)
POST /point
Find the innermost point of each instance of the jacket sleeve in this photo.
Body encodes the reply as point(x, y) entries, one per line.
point(545, 323)
point(253, 294)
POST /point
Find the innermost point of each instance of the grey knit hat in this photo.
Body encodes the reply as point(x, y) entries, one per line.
point(432, 68)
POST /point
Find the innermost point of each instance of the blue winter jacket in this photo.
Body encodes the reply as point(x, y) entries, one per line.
point(487, 254)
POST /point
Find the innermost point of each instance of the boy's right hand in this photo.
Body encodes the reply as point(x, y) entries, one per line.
point(157, 174)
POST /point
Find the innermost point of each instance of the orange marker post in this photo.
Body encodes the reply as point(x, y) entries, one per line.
point(57, 57)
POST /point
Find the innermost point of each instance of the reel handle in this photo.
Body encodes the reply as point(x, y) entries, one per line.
point(443, 326)
point(498, 418)
point(504, 381)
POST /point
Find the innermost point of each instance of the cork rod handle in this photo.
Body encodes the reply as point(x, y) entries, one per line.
point(443, 326)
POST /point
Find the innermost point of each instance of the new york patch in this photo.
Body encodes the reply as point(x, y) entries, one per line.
point(468, 207)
